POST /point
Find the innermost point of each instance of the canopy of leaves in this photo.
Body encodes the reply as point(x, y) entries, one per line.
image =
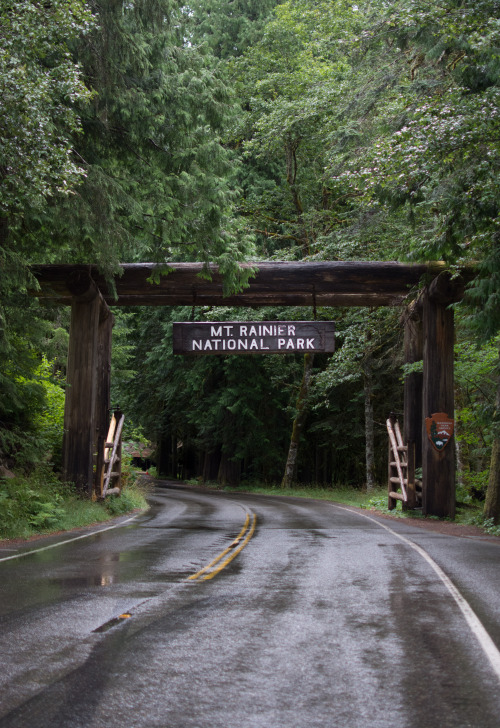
point(40, 85)
point(158, 180)
point(427, 142)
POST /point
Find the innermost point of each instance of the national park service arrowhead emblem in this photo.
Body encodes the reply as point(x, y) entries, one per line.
point(439, 429)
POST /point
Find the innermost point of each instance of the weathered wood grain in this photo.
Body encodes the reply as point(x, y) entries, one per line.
point(412, 424)
point(81, 394)
point(438, 491)
point(326, 283)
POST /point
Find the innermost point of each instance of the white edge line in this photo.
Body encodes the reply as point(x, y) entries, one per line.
point(475, 624)
point(69, 540)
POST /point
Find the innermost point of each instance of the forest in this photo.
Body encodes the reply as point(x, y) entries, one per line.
point(237, 131)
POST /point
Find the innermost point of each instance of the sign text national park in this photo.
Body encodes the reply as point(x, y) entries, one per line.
point(254, 337)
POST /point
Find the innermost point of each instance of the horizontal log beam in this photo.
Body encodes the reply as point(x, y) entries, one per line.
point(274, 283)
point(397, 496)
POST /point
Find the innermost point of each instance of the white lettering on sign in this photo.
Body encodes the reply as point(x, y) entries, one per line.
point(253, 336)
point(217, 331)
point(213, 344)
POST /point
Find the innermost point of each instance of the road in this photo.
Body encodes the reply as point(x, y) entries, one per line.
point(216, 610)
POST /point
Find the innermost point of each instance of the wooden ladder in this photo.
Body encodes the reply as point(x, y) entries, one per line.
point(112, 469)
point(398, 465)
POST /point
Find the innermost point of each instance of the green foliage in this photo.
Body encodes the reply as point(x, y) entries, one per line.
point(288, 84)
point(475, 387)
point(337, 493)
point(426, 148)
point(129, 500)
point(380, 503)
point(28, 506)
point(40, 85)
point(144, 145)
point(49, 421)
point(489, 526)
point(474, 487)
point(229, 27)
point(40, 503)
point(158, 181)
point(205, 403)
point(472, 516)
point(35, 408)
point(242, 408)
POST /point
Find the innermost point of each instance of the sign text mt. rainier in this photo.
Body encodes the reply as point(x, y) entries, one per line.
point(254, 337)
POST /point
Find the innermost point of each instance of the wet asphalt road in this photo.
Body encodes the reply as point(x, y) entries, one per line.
point(323, 619)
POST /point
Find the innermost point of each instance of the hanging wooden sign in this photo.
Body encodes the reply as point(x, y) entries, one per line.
point(439, 429)
point(254, 337)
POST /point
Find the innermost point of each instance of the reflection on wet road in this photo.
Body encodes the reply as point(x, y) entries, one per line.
point(217, 610)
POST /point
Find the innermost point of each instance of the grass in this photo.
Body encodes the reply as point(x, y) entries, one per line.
point(469, 514)
point(41, 504)
point(339, 494)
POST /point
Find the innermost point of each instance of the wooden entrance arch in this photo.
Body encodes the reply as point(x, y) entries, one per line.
point(428, 325)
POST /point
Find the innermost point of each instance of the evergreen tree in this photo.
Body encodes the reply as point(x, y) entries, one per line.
point(229, 27)
point(158, 181)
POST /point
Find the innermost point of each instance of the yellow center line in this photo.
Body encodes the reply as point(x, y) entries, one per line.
point(231, 547)
point(221, 555)
point(234, 554)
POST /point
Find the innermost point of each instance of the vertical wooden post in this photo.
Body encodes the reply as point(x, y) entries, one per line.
point(80, 404)
point(412, 420)
point(103, 398)
point(438, 482)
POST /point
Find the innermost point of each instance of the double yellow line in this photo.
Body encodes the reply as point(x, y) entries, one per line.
point(220, 563)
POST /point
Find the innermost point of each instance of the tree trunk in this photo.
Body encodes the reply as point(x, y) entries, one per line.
point(229, 471)
point(369, 428)
point(492, 503)
point(458, 453)
point(298, 422)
